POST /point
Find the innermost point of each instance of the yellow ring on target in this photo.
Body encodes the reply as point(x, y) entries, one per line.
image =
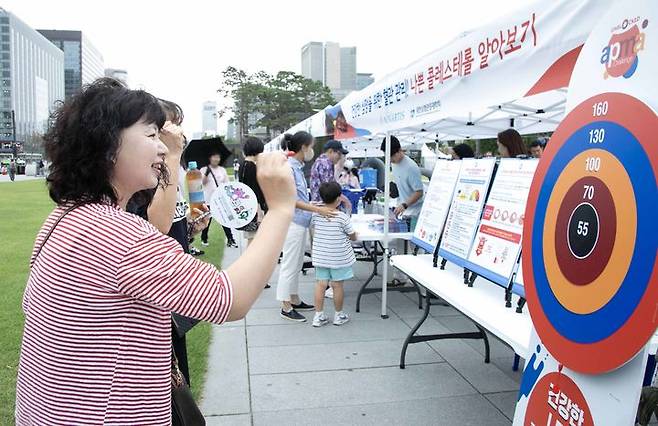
point(592, 297)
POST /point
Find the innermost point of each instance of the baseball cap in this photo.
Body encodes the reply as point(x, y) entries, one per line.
point(336, 146)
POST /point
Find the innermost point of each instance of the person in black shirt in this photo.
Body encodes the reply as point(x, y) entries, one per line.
point(247, 175)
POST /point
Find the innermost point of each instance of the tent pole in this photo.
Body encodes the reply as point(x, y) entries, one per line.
point(387, 172)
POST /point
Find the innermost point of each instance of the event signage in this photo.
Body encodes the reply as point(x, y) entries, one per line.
point(436, 204)
point(589, 246)
point(466, 207)
point(498, 240)
point(514, 57)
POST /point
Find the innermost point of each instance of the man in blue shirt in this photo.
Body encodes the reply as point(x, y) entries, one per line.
point(406, 174)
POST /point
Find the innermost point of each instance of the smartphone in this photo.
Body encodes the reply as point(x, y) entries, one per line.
point(200, 217)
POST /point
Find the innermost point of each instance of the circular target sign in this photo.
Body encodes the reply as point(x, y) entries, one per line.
point(591, 233)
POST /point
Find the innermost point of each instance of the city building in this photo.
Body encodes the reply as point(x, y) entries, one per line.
point(117, 74)
point(209, 118)
point(363, 80)
point(32, 81)
point(83, 63)
point(253, 130)
point(313, 61)
point(231, 130)
point(331, 64)
point(348, 68)
point(332, 68)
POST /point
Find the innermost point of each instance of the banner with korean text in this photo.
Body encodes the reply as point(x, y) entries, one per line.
point(529, 52)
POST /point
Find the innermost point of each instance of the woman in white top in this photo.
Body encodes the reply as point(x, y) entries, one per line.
point(213, 176)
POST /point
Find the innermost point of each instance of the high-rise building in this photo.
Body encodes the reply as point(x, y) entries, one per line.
point(231, 130)
point(332, 57)
point(83, 63)
point(117, 74)
point(363, 80)
point(31, 79)
point(313, 61)
point(348, 68)
point(209, 118)
point(332, 65)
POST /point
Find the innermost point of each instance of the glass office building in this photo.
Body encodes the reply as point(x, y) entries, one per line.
point(31, 78)
point(83, 63)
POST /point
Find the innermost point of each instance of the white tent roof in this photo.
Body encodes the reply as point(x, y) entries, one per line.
point(523, 88)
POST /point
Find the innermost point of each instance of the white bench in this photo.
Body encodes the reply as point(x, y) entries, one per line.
point(484, 304)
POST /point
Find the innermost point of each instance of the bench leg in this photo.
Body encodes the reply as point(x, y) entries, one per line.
point(420, 294)
point(413, 338)
point(515, 366)
point(486, 341)
point(413, 331)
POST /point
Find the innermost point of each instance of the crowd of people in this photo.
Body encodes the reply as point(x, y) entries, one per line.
point(113, 287)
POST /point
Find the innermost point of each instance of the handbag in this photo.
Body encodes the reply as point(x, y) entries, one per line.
point(183, 324)
point(184, 411)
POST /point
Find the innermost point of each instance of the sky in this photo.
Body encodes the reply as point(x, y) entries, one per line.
point(177, 49)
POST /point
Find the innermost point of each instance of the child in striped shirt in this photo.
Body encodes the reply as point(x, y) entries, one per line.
point(332, 254)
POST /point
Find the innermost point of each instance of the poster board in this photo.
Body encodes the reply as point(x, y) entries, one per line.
point(437, 201)
point(466, 208)
point(497, 244)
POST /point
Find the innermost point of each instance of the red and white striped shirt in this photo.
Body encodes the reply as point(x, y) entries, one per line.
point(97, 340)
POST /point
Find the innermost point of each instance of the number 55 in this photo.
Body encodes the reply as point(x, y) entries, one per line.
point(582, 228)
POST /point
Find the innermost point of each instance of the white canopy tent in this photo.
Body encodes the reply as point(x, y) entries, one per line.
point(512, 72)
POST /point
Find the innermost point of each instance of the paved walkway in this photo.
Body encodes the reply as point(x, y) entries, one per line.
point(266, 370)
point(19, 178)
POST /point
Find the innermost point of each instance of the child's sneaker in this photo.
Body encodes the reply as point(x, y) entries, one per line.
point(340, 318)
point(320, 319)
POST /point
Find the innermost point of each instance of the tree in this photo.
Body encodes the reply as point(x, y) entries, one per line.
point(291, 98)
point(281, 100)
point(244, 90)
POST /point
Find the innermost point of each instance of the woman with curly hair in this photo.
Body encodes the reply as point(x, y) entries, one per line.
point(103, 282)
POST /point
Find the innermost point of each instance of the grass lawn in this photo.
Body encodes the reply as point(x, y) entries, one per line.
point(23, 208)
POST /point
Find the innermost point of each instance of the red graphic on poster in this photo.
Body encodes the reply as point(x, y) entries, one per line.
point(557, 400)
point(488, 211)
point(478, 250)
point(501, 233)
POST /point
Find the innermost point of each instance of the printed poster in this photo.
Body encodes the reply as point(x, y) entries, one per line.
point(466, 206)
point(498, 240)
point(437, 202)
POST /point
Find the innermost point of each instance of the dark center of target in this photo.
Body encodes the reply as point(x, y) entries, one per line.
point(583, 230)
point(586, 230)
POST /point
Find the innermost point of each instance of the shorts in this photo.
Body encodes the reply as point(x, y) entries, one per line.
point(333, 274)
